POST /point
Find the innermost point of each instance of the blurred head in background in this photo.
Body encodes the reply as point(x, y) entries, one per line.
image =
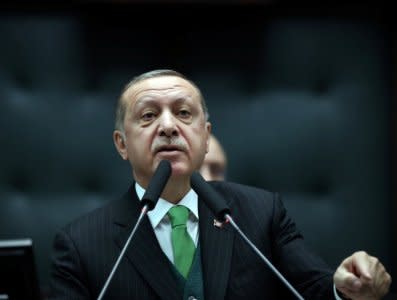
point(215, 162)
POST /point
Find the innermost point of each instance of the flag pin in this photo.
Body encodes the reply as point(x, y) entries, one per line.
point(218, 223)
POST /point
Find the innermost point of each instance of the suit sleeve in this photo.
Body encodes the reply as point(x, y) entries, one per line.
point(67, 276)
point(306, 271)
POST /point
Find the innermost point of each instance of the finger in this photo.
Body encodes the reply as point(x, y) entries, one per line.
point(363, 264)
point(352, 283)
point(385, 284)
point(344, 279)
point(347, 293)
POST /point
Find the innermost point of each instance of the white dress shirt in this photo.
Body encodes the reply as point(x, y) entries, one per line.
point(161, 222)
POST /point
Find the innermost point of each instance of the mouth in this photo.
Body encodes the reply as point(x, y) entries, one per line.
point(168, 149)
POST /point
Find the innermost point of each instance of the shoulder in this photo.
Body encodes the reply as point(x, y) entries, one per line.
point(247, 199)
point(241, 191)
point(106, 213)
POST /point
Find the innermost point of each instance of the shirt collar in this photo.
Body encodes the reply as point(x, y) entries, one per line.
point(190, 200)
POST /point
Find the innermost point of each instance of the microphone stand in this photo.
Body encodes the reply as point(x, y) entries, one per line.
point(222, 214)
point(149, 200)
point(144, 210)
point(230, 220)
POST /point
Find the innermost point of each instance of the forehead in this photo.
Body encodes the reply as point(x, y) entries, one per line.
point(164, 86)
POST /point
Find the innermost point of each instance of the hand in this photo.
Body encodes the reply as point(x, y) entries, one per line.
point(362, 277)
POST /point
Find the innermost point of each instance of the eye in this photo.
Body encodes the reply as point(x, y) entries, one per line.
point(184, 113)
point(148, 116)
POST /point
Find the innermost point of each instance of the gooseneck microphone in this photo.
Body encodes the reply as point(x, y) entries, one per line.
point(156, 185)
point(222, 213)
point(148, 202)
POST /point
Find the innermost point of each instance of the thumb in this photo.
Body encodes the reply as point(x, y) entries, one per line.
point(347, 280)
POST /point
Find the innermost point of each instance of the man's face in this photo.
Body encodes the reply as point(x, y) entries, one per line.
point(164, 120)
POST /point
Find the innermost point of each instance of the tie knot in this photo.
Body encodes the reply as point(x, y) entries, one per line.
point(178, 215)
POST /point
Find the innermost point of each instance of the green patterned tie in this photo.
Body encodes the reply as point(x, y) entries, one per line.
point(182, 243)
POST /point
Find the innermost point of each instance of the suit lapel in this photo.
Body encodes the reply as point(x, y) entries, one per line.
point(216, 248)
point(144, 251)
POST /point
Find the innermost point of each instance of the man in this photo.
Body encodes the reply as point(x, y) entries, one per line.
point(214, 164)
point(162, 115)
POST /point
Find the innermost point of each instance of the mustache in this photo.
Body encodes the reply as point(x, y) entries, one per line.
point(169, 143)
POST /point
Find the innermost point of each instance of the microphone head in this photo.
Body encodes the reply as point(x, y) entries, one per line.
point(210, 196)
point(157, 184)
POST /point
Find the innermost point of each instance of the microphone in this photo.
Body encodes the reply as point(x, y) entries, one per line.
point(148, 202)
point(156, 184)
point(211, 198)
point(222, 212)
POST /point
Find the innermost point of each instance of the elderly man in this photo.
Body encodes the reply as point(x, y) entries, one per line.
point(162, 115)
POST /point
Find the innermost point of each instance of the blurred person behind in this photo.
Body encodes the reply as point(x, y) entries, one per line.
point(215, 161)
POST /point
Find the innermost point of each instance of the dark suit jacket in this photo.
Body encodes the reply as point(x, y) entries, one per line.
point(86, 250)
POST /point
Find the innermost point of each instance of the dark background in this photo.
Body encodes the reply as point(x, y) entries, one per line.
point(302, 97)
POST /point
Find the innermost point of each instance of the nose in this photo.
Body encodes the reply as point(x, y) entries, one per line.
point(168, 126)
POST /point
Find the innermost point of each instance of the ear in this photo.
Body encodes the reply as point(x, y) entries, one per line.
point(208, 128)
point(119, 142)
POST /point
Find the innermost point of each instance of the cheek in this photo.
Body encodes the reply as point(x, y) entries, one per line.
point(138, 140)
point(199, 144)
point(198, 138)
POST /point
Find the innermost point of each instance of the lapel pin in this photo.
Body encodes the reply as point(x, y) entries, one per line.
point(218, 224)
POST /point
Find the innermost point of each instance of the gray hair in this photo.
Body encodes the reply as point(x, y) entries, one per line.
point(121, 103)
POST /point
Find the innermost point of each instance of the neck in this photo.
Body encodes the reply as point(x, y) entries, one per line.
point(175, 189)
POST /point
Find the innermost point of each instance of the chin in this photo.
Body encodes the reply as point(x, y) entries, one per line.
point(179, 170)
